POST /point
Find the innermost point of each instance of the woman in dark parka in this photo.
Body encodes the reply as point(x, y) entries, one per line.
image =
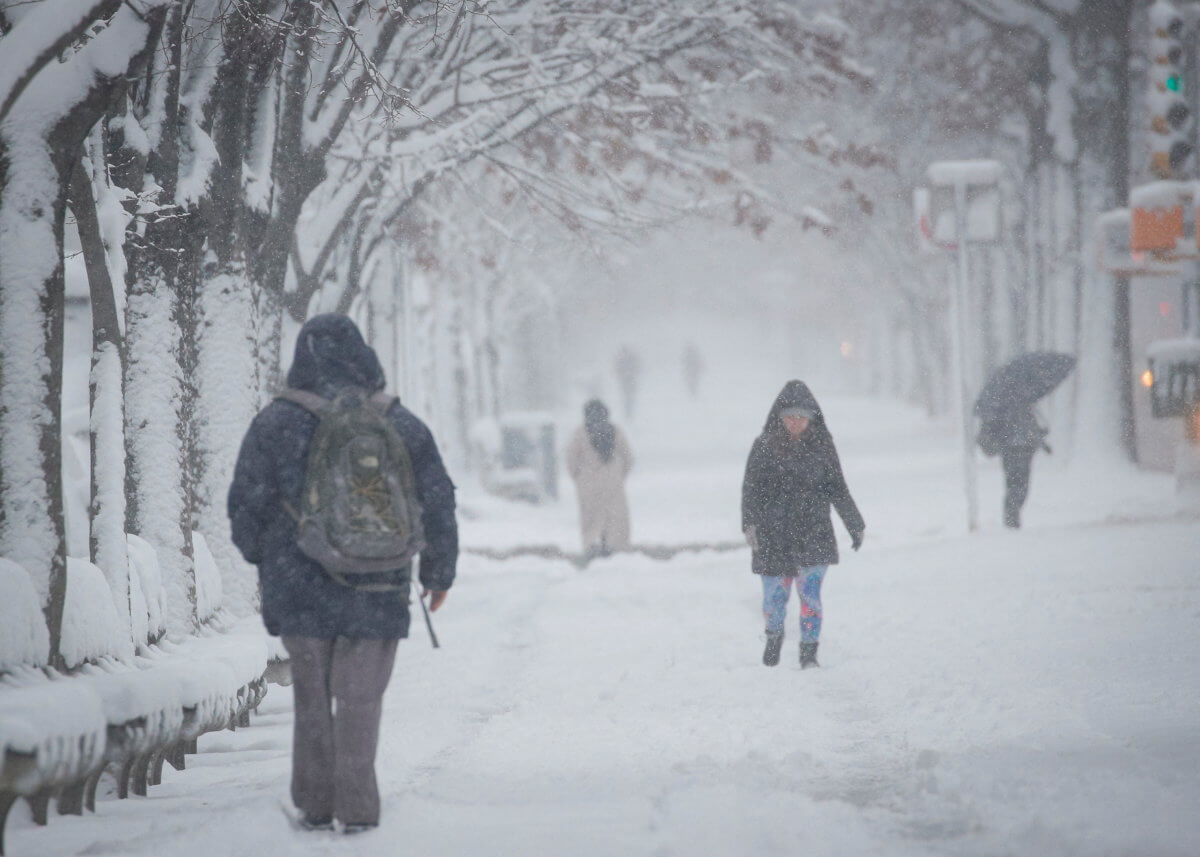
point(793, 475)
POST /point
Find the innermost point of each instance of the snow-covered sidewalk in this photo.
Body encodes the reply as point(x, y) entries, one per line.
point(1028, 693)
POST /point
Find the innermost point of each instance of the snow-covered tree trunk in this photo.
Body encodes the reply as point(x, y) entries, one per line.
point(158, 413)
point(108, 548)
point(423, 336)
point(1043, 249)
point(457, 334)
point(236, 358)
point(157, 510)
point(1102, 47)
point(45, 118)
point(381, 290)
point(269, 315)
point(296, 170)
point(228, 401)
point(32, 205)
point(162, 319)
point(487, 349)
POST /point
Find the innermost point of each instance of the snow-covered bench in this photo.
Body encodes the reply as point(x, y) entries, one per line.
point(61, 730)
point(60, 733)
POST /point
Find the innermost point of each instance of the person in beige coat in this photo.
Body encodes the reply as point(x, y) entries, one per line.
point(598, 460)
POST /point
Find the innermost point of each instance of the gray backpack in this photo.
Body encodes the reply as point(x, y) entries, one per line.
point(359, 514)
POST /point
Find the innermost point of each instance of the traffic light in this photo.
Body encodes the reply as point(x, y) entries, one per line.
point(1171, 120)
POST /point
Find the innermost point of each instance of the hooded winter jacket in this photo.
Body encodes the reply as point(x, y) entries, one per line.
point(789, 487)
point(298, 597)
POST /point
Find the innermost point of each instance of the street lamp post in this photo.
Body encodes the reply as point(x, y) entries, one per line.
point(964, 209)
point(961, 306)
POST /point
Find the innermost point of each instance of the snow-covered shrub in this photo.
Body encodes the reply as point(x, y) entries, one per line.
point(24, 639)
point(145, 590)
point(90, 628)
point(208, 579)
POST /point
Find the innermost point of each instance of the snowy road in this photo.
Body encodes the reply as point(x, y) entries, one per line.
point(1031, 693)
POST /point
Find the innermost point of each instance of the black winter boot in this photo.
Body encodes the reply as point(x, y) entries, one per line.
point(808, 655)
point(774, 644)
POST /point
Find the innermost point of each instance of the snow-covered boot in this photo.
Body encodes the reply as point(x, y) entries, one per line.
point(315, 822)
point(808, 655)
point(774, 644)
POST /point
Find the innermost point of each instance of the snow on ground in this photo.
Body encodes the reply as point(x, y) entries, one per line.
point(1031, 693)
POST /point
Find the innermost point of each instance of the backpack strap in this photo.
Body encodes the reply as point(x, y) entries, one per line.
point(382, 402)
point(311, 402)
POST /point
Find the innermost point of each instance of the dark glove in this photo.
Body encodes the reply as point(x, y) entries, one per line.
point(856, 539)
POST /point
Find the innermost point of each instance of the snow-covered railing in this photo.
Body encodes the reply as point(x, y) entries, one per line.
point(112, 705)
point(59, 732)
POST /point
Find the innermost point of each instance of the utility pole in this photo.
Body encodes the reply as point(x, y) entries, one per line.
point(1164, 224)
point(966, 196)
point(962, 337)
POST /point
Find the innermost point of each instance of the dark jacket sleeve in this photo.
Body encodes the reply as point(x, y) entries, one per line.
point(439, 559)
point(839, 495)
point(752, 488)
point(253, 494)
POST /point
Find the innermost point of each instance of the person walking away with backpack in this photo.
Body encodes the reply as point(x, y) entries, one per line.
point(793, 476)
point(337, 488)
point(598, 461)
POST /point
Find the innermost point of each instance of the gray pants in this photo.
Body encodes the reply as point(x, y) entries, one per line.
point(333, 745)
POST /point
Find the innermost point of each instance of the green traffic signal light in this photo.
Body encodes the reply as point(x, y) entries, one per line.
point(1174, 83)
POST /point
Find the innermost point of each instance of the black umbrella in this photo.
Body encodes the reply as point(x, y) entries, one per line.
point(1022, 381)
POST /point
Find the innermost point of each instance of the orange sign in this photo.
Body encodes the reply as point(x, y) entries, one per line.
point(1156, 228)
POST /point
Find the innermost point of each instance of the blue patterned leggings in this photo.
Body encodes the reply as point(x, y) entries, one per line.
point(776, 591)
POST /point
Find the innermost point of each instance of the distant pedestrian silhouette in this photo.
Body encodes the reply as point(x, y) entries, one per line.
point(599, 460)
point(628, 367)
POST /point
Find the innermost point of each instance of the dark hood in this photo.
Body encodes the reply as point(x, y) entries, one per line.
point(795, 394)
point(332, 355)
point(600, 430)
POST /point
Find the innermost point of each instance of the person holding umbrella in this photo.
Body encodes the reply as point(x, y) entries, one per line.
point(1010, 428)
point(793, 476)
